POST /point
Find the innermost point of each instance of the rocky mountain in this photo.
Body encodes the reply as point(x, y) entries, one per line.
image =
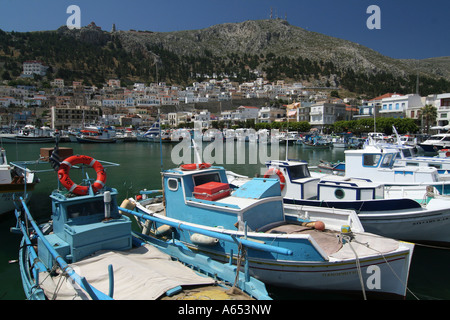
point(272, 48)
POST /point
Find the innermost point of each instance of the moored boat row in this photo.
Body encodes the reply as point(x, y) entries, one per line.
point(303, 230)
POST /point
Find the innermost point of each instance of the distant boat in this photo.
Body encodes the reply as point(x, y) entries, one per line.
point(436, 142)
point(29, 134)
point(153, 134)
point(98, 135)
point(319, 144)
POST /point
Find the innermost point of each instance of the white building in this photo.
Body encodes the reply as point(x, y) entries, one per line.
point(270, 114)
point(202, 119)
point(34, 67)
point(442, 104)
point(401, 106)
point(243, 113)
point(119, 103)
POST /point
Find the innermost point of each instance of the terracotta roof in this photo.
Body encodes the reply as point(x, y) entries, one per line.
point(386, 95)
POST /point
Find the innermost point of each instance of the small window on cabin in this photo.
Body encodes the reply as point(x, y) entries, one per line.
point(299, 172)
point(435, 165)
point(172, 184)
point(371, 160)
point(86, 209)
point(386, 163)
point(205, 178)
point(339, 194)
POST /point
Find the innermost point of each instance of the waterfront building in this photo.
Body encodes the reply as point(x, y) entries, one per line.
point(398, 106)
point(442, 104)
point(65, 117)
point(271, 114)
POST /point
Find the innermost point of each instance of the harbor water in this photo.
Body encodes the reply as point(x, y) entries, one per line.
point(140, 166)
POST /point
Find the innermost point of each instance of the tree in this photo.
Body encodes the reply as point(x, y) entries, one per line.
point(6, 75)
point(429, 114)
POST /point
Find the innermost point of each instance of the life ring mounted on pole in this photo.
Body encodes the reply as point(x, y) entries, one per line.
point(280, 175)
point(195, 166)
point(64, 178)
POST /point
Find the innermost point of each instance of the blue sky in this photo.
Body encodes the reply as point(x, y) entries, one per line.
point(415, 29)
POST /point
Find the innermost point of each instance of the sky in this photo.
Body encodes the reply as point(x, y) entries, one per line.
point(408, 29)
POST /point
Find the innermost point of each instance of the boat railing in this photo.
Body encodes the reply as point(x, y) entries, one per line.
point(221, 236)
point(94, 293)
point(245, 242)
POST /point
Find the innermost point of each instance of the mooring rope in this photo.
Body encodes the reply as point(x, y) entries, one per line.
point(358, 266)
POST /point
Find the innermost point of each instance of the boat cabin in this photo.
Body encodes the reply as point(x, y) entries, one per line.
point(377, 164)
point(81, 226)
point(300, 185)
point(191, 196)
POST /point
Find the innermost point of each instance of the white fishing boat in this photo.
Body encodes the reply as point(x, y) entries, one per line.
point(15, 182)
point(29, 134)
point(377, 163)
point(96, 134)
point(411, 213)
point(283, 250)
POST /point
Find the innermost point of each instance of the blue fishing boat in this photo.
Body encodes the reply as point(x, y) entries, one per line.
point(88, 251)
point(281, 250)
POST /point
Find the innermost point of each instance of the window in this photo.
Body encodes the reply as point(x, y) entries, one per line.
point(339, 193)
point(205, 178)
point(371, 160)
point(387, 160)
point(298, 172)
point(172, 184)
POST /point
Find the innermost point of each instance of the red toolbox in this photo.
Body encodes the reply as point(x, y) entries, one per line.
point(212, 191)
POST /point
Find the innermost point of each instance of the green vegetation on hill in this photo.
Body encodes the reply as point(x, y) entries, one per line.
point(95, 56)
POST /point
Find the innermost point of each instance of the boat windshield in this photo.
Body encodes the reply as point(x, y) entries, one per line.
point(371, 160)
point(407, 153)
point(299, 172)
point(205, 178)
point(387, 160)
point(86, 209)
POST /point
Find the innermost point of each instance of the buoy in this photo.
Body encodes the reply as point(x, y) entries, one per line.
point(198, 238)
point(163, 230)
point(127, 204)
point(318, 225)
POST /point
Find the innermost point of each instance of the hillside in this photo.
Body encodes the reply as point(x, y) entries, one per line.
point(242, 51)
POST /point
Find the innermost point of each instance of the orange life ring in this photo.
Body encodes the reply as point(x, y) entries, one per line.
point(280, 175)
point(447, 152)
point(195, 166)
point(63, 174)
